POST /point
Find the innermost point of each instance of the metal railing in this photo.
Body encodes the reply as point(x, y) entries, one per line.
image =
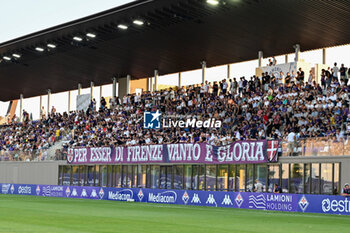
point(316, 147)
point(38, 155)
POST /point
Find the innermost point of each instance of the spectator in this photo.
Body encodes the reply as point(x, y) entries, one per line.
point(301, 76)
point(311, 77)
point(280, 79)
point(224, 86)
point(277, 189)
point(323, 79)
point(287, 80)
point(274, 61)
point(258, 186)
point(240, 86)
point(270, 63)
point(43, 113)
point(335, 72)
point(291, 142)
point(215, 89)
point(343, 76)
point(103, 103)
point(346, 190)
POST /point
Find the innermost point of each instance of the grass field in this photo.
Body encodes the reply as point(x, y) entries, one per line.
point(45, 214)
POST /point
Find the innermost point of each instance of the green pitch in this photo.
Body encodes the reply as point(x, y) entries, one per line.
point(43, 214)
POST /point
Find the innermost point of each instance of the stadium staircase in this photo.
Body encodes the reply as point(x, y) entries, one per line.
point(51, 152)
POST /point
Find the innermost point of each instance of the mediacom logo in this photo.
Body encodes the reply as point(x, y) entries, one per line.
point(123, 195)
point(164, 197)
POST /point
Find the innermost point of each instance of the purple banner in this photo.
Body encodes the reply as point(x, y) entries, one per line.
point(241, 152)
point(259, 201)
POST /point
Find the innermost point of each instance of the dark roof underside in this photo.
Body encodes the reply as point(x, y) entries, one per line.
point(177, 35)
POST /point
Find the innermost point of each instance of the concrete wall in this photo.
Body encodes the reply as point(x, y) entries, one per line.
point(138, 83)
point(30, 172)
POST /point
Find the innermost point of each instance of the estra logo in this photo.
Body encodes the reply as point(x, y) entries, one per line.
point(339, 206)
point(24, 190)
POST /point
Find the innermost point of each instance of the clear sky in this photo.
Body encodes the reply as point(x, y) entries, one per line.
point(22, 17)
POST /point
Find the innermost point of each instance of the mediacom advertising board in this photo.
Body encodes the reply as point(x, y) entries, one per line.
point(326, 204)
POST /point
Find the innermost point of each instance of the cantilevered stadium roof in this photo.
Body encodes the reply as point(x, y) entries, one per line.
point(176, 35)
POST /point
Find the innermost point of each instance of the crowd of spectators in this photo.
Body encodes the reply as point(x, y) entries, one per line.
point(277, 106)
point(31, 136)
point(259, 108)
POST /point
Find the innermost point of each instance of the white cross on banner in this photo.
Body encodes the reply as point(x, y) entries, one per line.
point(272, 149)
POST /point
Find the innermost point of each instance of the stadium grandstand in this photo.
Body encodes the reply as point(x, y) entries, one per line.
point(236, 96)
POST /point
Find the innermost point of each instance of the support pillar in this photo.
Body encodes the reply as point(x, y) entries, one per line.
point(40, 106)
point(297, 52)
point(324, 56)
point(114, 87)
point(179, 81)
point(286, 58)
point(149, 84)
point(128, 79)
point(92, 85)
point(156, 75)
point(228, 71)
point(21, 107)
point(260, 58)
point(69, 100)
point(48, 101)
point(101, 95)
point(124, 86)
point(79, 88)
point(204, 69)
